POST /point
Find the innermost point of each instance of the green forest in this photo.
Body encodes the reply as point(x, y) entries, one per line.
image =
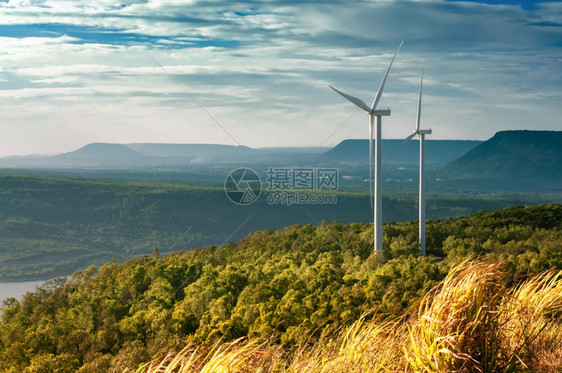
point(53, 226)
point(289, 287)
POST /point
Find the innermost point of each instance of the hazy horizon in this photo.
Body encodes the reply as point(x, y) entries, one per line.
point(320, 148)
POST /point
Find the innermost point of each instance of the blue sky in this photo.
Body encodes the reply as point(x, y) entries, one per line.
point(75, 72)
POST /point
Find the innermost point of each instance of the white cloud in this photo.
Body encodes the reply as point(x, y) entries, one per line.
point(488, 66)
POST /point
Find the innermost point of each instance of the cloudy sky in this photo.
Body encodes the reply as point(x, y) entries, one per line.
point(75, 72)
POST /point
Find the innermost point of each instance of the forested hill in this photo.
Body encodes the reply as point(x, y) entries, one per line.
point(440, 151)
point(285, 286)
point(54, 226)
point(513, 155)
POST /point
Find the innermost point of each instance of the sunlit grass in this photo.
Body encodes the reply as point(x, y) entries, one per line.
point(474, 321)
point(237, 356)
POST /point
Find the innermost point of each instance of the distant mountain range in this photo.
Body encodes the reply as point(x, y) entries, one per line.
point(105, 155)
point(141, 155)
point(440, 151)
point(512, 155)
point(509, 155)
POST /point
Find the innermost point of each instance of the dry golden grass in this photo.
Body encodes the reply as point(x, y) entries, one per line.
point(472, 322)
point(455, 328)
point(531, 323)
point(363, 347)
point(237, 356)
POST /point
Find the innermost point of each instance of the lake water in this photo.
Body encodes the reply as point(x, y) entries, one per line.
point(17, 289)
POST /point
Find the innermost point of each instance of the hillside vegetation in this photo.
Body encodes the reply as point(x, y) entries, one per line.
point(288, 287)
point(474, 321)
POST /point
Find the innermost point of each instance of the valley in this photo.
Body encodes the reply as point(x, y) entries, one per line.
point(56, 220)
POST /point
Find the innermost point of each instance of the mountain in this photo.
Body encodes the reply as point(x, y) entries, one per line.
point(440, 151)
point(514, 155)
point(133, 155)
point(142, 155)
point(91, 155)
point(217, 153)
point(102, 153)
point(196, 153)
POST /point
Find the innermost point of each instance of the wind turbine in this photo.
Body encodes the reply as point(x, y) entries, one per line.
point(378, 114)
point(421, 134)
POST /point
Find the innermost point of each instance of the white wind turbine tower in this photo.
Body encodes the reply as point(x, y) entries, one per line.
point(377, 223)
point(421, 134)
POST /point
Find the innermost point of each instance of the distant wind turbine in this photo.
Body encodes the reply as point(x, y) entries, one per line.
point(421, 134)
point(377, 223)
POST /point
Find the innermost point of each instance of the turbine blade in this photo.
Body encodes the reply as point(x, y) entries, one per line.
point(418, 116)
point(379, 92)
point(371, 125)
point(400, 146)
point(356, 101)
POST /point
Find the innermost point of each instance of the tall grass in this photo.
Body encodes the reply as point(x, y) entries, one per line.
point(474, 321)
point(531, 323)
point(237, 356)
point(457, 324)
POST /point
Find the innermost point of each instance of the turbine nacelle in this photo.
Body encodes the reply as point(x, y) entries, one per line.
point(424, 132)
point(381, 112)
